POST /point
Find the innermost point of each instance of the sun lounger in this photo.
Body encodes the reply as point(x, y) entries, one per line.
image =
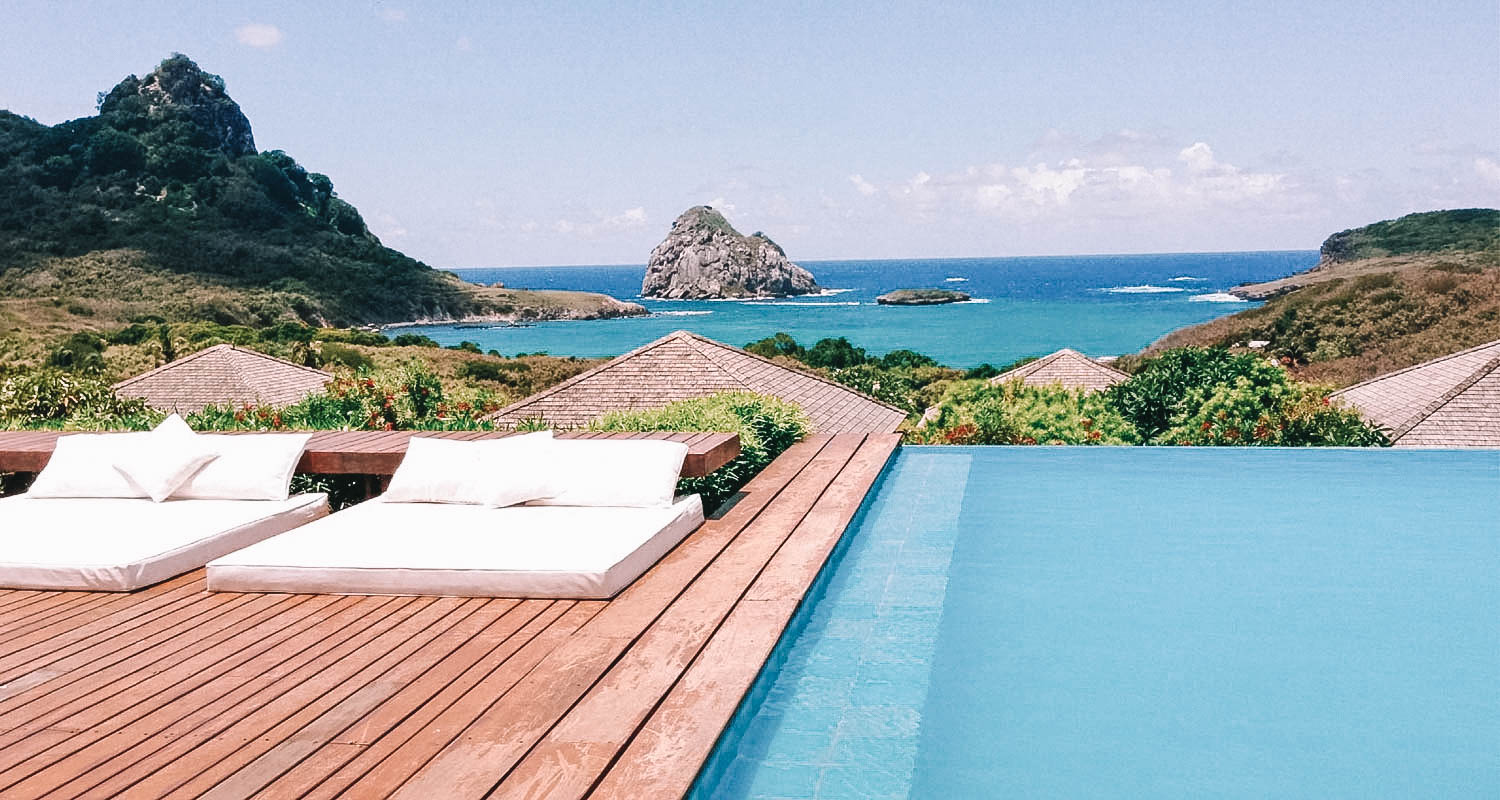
point(463, 550)
point(120, 544)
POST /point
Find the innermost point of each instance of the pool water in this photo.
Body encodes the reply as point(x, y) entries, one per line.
point(1143, 622)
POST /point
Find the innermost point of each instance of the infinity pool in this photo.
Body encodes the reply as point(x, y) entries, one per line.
point(1143, 622)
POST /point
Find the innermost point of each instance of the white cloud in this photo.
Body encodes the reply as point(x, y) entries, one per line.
point(721, 204)
point(629, 218)
point(258, 34)
point(863, 186)
point(1488, 169)
point(602, 224)
point(392, 14)
point(1198, 157)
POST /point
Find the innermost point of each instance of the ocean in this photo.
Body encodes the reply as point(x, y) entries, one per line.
point(1101, 305)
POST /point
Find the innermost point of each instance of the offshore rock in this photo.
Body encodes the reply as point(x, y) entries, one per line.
point(704, 258)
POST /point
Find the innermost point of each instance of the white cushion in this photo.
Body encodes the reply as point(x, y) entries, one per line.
point(167, 458)
point(636, 473)
point(490, 472)
point(462, 550)
point(255, 466)
point(82, 465)
point(120, 544)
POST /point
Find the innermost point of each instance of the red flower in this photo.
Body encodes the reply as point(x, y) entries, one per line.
point(1206, 425)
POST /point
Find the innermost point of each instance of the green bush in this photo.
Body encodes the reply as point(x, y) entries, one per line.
point(1161, 387)
point(1265, 408)
point(978, 412)
point(413, 340)
point(335, 354)
point(766, 425)
point(53, 398)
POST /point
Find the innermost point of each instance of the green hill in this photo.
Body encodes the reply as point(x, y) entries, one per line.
point(160, 205)
point(1459, 231)
point(1383, 297)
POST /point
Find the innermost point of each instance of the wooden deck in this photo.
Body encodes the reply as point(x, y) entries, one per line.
point(175, 692)
point(379, 452)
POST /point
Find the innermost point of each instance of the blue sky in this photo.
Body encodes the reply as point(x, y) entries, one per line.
point(572, 133)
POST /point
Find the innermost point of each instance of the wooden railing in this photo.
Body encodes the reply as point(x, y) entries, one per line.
point(379, 452)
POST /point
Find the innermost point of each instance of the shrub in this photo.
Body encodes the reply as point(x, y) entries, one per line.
point(1160, 388)
point(766, 425)
point(335, 354)
point(1267, 409)
point(499, 371)
point(52, 398)
point(978, 412)
point(413, 340)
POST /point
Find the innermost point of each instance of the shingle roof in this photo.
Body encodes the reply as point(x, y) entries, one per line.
point(223, 375)
point(1452, 401)
point(1067, 367)
point(683, 365)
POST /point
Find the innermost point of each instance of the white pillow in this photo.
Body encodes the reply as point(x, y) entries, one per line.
point(488, 472)
point(168, 458)
point(82, 465)
point(639, 473)
point(252, 466)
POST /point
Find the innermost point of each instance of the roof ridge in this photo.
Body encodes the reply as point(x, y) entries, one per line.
point(250, 351)
point(585, 375)
point(177, 362)
point(804, 373)
point(1405, 370)
point(1447, 397)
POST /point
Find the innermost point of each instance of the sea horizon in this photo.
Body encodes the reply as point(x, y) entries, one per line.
point(1101, 305)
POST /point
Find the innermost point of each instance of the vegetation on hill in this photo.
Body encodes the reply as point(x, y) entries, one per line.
point(1461, 230)
point(1431, 287)
point(160, 205)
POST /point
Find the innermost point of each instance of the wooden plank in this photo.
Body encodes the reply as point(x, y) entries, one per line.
point(365, 452)
point(393, 759)
point(283, 709)
point(108, 702)
point(393, 722)
point(190, 717)
point(495, 742)
point(200, 718)
point(572, 756)
point(121, 610)
point(664, 757)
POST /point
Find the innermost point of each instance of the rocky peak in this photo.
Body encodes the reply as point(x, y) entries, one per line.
point(179, 89)
point(704, 257)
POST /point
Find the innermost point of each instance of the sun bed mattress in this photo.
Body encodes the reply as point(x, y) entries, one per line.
point(119, 544)
point(466, 551)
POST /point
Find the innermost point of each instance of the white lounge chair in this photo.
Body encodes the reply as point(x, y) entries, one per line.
point(119, 544)
point(115, 512)
point(579, 519)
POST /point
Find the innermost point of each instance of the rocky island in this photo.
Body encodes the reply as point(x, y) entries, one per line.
point(921, 297)
point(705, 258)
point(162, 206)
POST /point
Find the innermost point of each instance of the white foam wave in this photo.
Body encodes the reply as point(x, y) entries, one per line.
point(1217, 297)
point(1185, 278)
point(974, 300)
point(956, 279)
point(1143, 289)
point(828, 292)
point(682, 313)
point(800, 303)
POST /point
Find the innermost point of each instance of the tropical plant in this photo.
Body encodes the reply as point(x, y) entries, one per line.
point(766, 426)
point(979, 412)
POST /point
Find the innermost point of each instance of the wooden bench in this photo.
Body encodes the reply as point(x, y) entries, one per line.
point(379, 452)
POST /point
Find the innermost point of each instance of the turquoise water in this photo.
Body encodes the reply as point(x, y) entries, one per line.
point(1140, 622)
point(1101, 305)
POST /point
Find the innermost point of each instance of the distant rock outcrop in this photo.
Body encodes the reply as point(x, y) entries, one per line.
point(704, 257)
point(921, 297)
